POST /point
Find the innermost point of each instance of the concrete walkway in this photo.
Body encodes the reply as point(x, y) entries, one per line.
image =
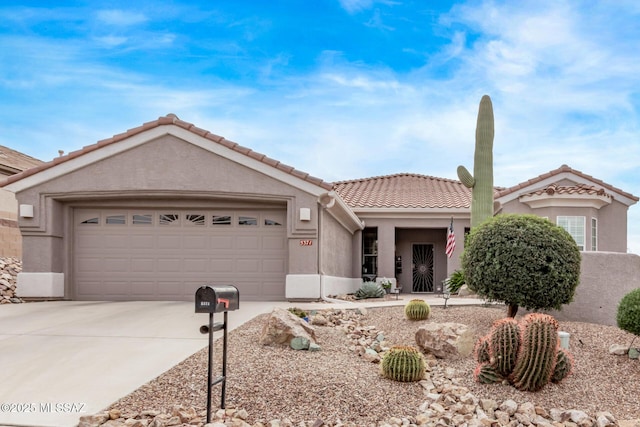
point(61, 360)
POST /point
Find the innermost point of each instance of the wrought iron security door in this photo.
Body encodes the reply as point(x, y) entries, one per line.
point(422, 268)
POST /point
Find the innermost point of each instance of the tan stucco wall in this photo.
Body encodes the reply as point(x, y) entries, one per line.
point(336, 248)
point(165, 172)
point(612, 222)
point(605, 277)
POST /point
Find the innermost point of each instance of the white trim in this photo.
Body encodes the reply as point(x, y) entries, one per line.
point(584, 229)
point(559, 177)
point(443, 211)
point(337, 208)
point(154, 133)
point(40, 285)
point(332, 285)
point(302, 286)
point(537, 201)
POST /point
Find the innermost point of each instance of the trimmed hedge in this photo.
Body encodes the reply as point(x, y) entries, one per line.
point(628, 317)
point(523, 260)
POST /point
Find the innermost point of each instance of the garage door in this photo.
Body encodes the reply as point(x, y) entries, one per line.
point(167, 254)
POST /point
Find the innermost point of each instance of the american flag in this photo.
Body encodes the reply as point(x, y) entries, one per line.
point(451, 241)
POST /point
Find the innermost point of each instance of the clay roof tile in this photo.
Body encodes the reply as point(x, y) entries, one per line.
point(169, 119)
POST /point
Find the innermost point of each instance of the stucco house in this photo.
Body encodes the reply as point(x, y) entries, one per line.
point(11, 163)
point(157, 211)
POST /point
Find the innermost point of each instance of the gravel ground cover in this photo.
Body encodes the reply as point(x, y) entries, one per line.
point(335, 384)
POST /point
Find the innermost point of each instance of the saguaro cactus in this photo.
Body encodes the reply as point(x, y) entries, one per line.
point(481, 182)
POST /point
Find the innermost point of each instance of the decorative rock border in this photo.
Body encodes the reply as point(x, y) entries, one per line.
point(447, 402)
point(9, 269)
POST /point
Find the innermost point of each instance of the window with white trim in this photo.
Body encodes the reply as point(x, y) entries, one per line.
point(575, 225)
point(594, 234)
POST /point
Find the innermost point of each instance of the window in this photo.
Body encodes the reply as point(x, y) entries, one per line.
point(247, 220)
point(594, 234)
point(91, 221)
point(166, 219)
point(139, 219)
point(268, 221)
point(574, 226)
point(195, 219)
point(116, 220)
point(221, 220)
point(370, 252)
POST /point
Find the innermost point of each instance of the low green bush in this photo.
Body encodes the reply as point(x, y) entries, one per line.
point(454, 282)
point(370, 290)
point(628, 316)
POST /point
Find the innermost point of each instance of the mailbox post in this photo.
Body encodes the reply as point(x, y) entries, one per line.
point(216, 299)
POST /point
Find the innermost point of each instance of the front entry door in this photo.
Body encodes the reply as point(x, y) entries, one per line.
point(422, 268)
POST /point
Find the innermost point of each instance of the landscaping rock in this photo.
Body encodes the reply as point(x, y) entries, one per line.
point(9, 269)
point(464, 291)
point(282, 326)
point(300, 343)
point(618, 349)
point(446, 340)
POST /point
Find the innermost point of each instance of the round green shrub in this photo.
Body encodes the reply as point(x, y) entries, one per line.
point(523, 260)
point(628, 316)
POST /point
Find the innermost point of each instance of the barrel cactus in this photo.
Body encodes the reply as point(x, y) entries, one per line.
point(481, 350)
point(403, 363)
point(537, 358)
point(527, 354)
point(370, 290)
point(417, 309)
point(504, 344)
point(564, 365)
point(485, 373)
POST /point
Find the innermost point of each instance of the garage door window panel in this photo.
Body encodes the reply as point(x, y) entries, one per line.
point(195, 219)
point(116, 220)
point(221, 220)
point(142, 219)
point(273, 220)
point(169, 219)
point(247, 220)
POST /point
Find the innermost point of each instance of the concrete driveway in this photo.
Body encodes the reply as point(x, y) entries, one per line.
point(61, 360)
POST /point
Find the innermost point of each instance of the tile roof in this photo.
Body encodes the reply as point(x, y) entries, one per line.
point(170, 119)
point(582, 189)
point(12, 161)
point(558, 171)
point(404, 190)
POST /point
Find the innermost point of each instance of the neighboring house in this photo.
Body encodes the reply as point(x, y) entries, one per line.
point(11, 163)
point(156, 212)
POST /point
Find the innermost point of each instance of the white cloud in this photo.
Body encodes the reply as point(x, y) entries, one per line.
point(120, 18)
point(354, 6)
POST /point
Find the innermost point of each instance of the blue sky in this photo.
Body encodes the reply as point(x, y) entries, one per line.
point(340, 89)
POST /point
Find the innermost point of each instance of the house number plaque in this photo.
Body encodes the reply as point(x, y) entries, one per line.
point(306, 242)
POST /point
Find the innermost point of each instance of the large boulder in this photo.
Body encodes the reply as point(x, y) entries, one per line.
point(446, 340)
point(282, 326)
